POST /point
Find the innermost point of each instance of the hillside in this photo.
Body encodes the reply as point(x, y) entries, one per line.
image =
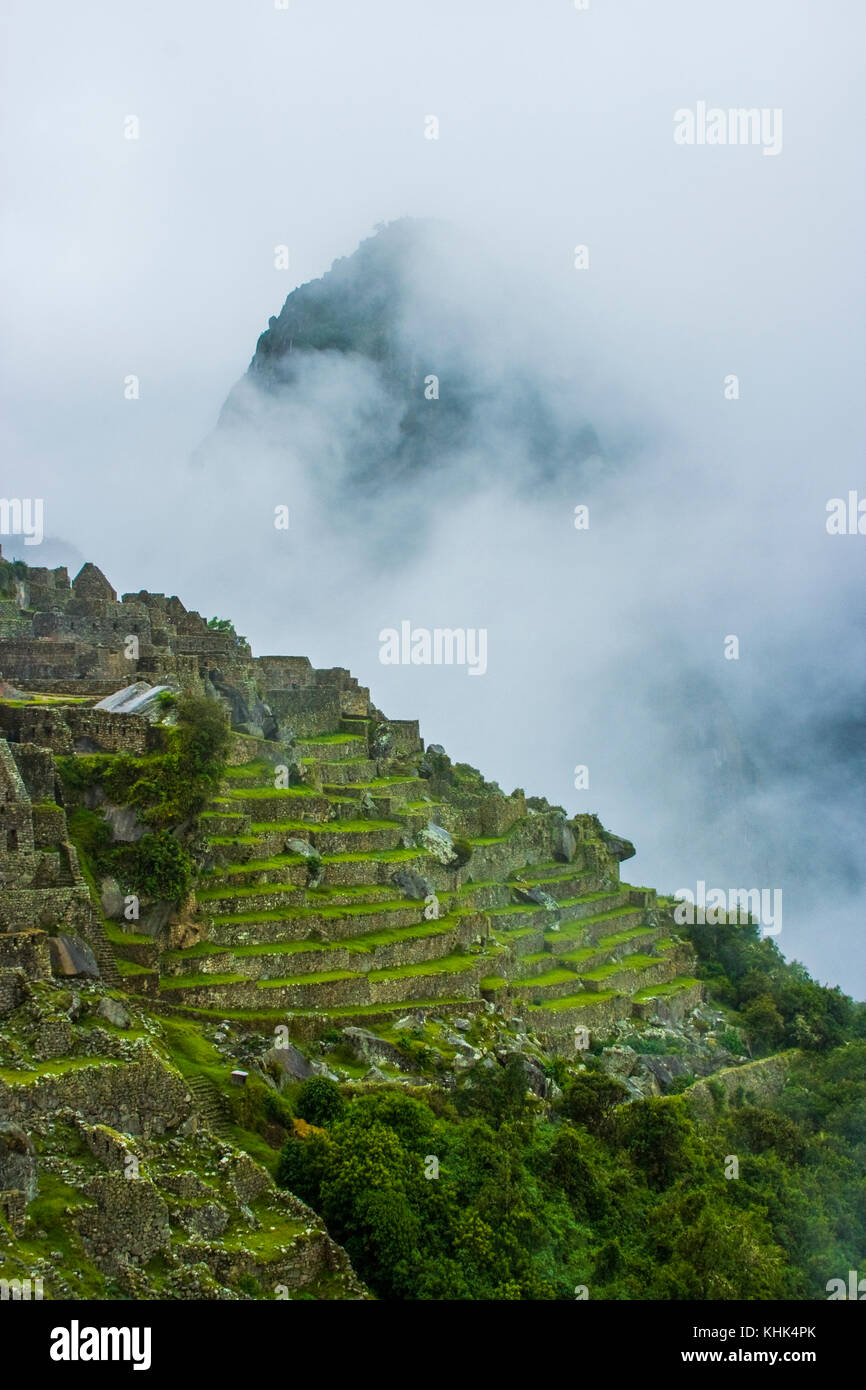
point(310, 984)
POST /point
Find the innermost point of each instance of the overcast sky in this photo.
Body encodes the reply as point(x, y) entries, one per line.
point(306, 127)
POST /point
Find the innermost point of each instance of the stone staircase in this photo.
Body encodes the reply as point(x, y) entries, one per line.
point(210, 1105)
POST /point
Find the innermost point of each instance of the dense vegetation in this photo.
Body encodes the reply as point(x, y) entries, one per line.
point(486, 1193)
point(780, 1005)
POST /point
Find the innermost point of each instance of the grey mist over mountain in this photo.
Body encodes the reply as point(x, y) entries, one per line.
point(452, 503)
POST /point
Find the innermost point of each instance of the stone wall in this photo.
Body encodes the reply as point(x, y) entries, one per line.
point(762, 1082)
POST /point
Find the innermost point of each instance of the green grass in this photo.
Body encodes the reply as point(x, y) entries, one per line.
point(553, 977)
point(119, 937)
point(576, 1001)
point(250, 890)
point(268, 793)
point(619, 937)
point(349, 827)
point(325, 739)
point(629, 963)
point(682, 982)
point(254, 866)
point(277, 914)
point(445, 965)
point(259, 768)
point(58, 1067)
point(359, 945)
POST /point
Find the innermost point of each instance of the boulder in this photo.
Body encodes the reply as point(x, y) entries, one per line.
point(438, 842)
point(382, 744)
point(111, 898)
point(460, 1045)
point(536, 895)
point(139, 698)
point(536, 1080)
point(71, 956)
point(116, 703)
point(664, 1069)
point(124, 823)
point(113, 1012)
point(619, 1061)
point(617, 847)
point(564, 844)
point(427, 766)
point(17, 1161)
point(302, 847)
point(368, 1048)
point(413, 885)
point(404, 1024)
point(291, 1063)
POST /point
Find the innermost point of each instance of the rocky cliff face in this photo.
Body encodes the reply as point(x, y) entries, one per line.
point(373, 327)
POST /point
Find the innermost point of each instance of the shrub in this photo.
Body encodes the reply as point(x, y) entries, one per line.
point(159, 866)
point(319, 1101)
point(732, 1042)
point(591, 1098)
point(462, 853)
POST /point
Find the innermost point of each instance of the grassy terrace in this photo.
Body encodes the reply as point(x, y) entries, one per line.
point(325, 740)
point(516, 909)
point(676, 986)
point(525, 880)
point(595, 897)
point(278, 914)
point(253, 866)
point(266, 794)
point(604, 972)
point(444, 965)
point(58, 1067)
point(576, 1001)
point(576, 927)
point(553, 977)
point(375, 784)
point(267, 1017)
point(620, 937)
point(342, 827)
point(259, 768)
point(49, 700)
point(581, 954)
point(360, 945)
point(369, 893)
